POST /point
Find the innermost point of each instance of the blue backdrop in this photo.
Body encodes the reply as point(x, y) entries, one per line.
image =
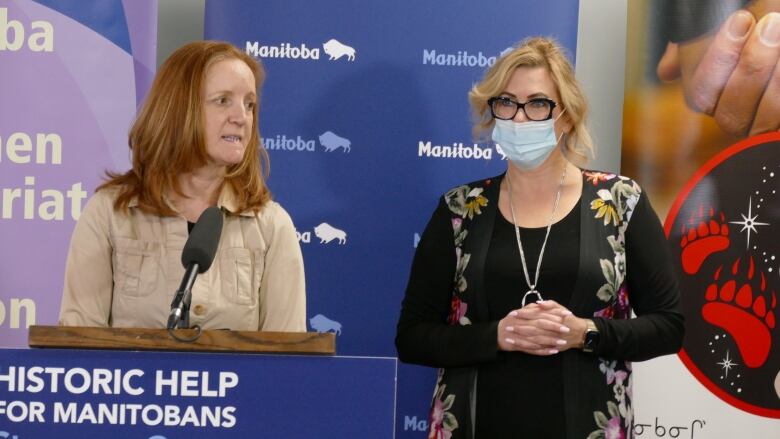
point(366, 120)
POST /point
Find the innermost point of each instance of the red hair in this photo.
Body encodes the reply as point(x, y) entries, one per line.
point(167, 137)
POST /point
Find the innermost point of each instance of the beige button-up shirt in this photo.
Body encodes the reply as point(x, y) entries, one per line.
point(124, 269)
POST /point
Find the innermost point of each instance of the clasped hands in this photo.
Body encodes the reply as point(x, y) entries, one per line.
point(541, 328)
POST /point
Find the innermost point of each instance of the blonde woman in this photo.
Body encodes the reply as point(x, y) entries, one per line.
point(522, 286)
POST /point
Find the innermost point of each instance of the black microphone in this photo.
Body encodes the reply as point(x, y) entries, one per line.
point(197, 256)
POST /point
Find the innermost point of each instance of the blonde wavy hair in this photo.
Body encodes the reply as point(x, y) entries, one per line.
point(167, 137)
point(536, 52)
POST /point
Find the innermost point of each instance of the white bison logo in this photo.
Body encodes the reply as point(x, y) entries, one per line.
point(500, 151)
point(336, 50)
point(320, 323)
point(328, 233)
point(330, 141)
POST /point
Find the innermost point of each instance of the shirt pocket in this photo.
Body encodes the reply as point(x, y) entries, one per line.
point(136, 267)
point(241, 270)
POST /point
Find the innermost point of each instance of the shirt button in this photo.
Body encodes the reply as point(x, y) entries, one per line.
point(199, 310)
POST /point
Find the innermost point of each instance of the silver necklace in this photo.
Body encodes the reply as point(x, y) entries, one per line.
point(532, 286)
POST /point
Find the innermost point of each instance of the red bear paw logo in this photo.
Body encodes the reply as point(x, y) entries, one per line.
point(743, 312)
point(699, 242)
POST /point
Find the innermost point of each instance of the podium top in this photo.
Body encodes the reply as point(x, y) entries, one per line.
point(146, 339)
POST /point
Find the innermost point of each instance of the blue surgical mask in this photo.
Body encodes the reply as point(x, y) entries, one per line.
point(526, 144)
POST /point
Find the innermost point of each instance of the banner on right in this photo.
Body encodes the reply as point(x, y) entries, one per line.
point(700, 133)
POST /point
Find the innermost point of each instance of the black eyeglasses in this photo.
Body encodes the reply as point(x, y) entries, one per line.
point(536, 109)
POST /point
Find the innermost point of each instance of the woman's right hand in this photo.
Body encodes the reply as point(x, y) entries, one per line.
point(533, 330)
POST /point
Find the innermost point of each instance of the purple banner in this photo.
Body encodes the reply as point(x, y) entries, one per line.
point(70, 83)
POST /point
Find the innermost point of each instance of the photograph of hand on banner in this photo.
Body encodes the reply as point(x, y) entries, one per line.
point(728, 74)
point(700, 76)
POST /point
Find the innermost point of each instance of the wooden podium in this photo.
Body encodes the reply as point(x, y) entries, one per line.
point(143, 339)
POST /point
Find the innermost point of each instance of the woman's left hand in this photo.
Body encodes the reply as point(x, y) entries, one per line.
point(576, 325)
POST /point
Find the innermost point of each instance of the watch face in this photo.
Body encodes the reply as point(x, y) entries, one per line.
point(591, 340)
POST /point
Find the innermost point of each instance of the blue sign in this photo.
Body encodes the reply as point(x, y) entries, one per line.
point(77, 394)
point(365, 116)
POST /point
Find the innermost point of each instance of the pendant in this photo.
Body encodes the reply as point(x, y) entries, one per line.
point(532, 292)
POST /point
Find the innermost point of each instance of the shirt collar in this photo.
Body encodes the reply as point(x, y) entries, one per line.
point(228, 201)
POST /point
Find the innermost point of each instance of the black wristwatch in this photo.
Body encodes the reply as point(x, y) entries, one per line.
point(591, 339)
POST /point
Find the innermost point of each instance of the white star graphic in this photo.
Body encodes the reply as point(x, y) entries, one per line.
point(749, 222)
point(727, 364)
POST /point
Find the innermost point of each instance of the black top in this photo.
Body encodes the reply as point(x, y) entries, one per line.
point(519, 393)
point(531, 382)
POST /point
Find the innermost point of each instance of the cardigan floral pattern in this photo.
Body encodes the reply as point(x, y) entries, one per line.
point(612, 208)
point(464, 203)
point(615, 205)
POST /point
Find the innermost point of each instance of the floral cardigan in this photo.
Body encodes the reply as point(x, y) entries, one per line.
point(597, 390)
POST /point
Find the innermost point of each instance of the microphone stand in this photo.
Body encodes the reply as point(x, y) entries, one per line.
point(197, 256)
point(180, 306)
point(184, 323)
